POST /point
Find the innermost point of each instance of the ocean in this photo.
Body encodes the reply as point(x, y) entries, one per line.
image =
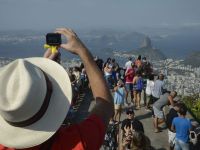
point(20, 44)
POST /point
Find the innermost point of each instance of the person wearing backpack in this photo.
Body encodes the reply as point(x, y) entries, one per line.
point(138, 86)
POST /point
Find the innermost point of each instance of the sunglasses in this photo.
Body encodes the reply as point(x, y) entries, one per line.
point(129, 112)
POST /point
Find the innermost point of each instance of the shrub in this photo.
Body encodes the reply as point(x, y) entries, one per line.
point(193, 105)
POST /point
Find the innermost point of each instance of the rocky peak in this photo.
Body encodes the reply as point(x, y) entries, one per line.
point(146, 43)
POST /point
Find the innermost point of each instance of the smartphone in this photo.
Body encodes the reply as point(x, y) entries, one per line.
point(53, 39)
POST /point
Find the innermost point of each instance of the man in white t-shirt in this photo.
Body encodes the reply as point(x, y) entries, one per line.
point(148, 91)
point(129, 63)
point(158, 88)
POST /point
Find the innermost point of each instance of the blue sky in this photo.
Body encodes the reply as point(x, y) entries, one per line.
point(48, 14)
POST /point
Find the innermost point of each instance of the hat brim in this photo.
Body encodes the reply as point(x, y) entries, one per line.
point(43, 129)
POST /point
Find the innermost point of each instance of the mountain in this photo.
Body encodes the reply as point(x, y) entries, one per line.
point(172, 43)
point(193, 59)
point(145, 49)
point(146, 43)
point(148, 51)
point(115, 40)
point(176, 42)
point(152, 53)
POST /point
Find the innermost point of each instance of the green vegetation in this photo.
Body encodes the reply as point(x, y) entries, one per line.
point(193, 104)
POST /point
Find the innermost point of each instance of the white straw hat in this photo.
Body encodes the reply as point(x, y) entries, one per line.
point(35, 96)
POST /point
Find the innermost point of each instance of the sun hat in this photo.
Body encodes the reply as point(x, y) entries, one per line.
point(35, 96)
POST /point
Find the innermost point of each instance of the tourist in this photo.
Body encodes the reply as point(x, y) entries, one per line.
point(146, 68)
point(136, 141)
point(115, 71)
point(129, 63)
point(99, 62)
point(75, 89)
point(108, 73)
point(148, 91)
point(173, 112)
point(129, 75)
point(182, 126)
point(138, 63)
point(131, 120)
point(130, 125)
point(84, 78)
point(137, 89)
point(119, 97)
point(35, 97)
point(146, 72)
point(165, 99)
point(108, 63)
point(158, 88)
point(122, 74)
point(77, 74)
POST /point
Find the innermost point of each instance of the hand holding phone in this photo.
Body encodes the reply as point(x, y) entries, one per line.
point(73, 44)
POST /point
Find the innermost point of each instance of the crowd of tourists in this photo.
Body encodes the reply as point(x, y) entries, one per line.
point(36, 95)
point(135, 77)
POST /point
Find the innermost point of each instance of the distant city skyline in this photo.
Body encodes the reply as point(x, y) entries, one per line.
point(49, 14)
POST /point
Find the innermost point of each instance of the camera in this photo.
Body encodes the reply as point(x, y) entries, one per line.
point(53, 39)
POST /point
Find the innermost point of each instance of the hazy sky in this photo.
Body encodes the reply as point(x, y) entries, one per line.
point(45, 14)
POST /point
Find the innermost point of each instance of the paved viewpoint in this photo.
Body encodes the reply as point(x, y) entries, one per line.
point(158, 140)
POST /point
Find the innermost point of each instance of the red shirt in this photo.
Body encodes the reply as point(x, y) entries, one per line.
point(129, 77)
point(138, 63)
point(88, 135)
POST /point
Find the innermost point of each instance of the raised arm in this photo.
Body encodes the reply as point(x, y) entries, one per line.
point(171, 101)
point(50, 55)
point(53, 56)
point(134, 80)
point(104, 101)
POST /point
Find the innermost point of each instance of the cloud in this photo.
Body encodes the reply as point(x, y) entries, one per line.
point(165, 24)
point(191, 24)
point(56, 0)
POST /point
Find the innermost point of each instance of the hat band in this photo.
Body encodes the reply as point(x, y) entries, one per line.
point(42, 110)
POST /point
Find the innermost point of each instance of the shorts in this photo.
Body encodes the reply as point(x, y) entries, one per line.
point(109, 81)
point(129, 86)
point(181, 145)
point(134, 87)
point(139, 91)
point(171, 138)
point(118, 106)
point(149, 99)
point(158, 113)
point(154, 99)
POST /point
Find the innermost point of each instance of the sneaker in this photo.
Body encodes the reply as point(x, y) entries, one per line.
point(138, 107)
point(126, 104)
point(157, 131)
point(131, 104)
point(147, 109)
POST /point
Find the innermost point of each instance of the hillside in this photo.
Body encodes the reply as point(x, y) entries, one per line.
point(193, 59)
point(148, 51)
point(102, 42)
